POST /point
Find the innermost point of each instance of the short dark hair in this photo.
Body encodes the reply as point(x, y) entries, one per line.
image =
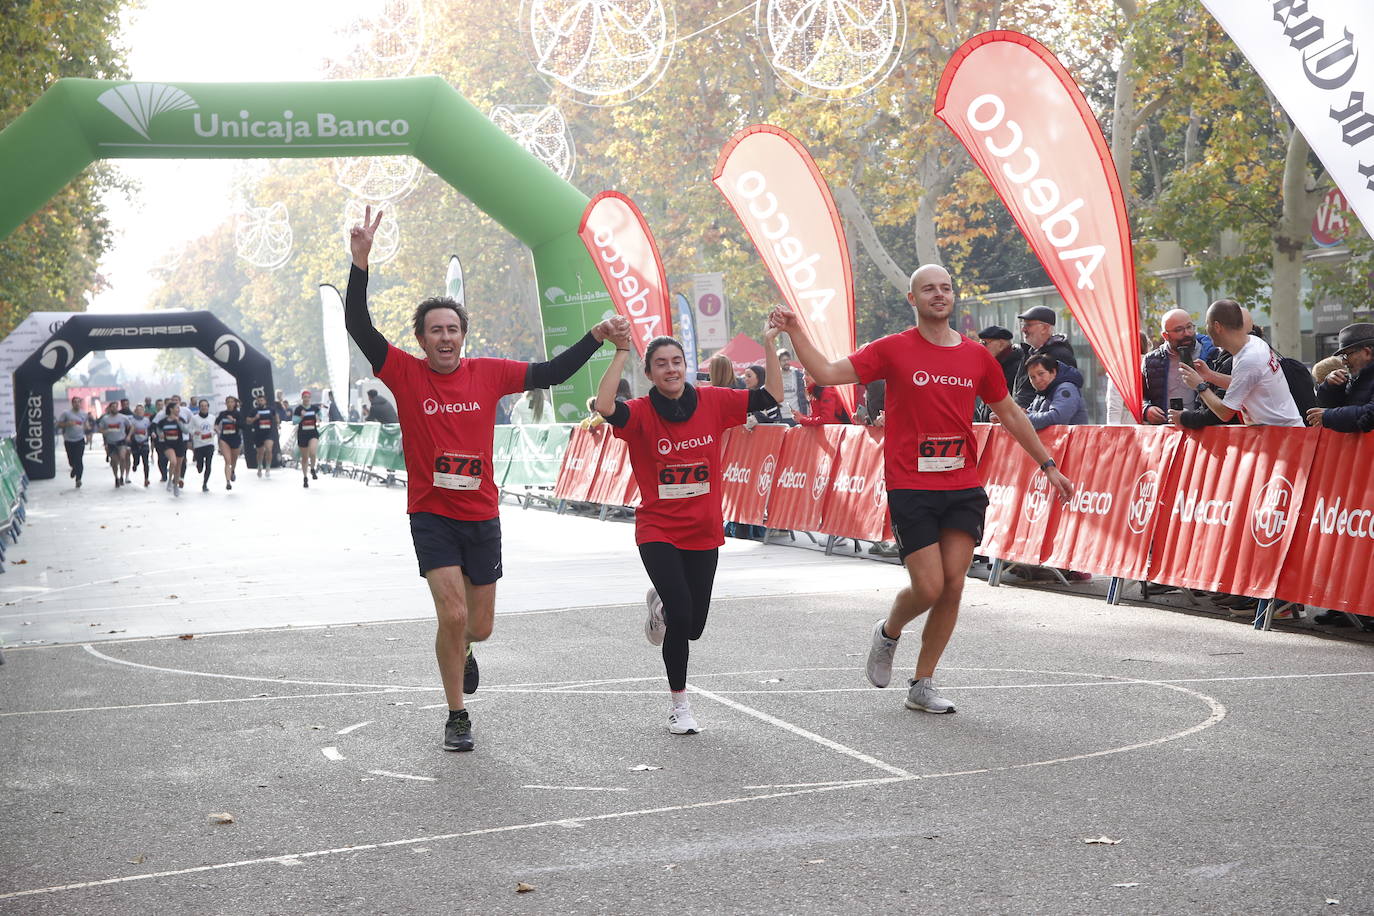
point(439, 302)
point(655, 344)
point(372, 394)
point(1227, 313)
point(1044, 361)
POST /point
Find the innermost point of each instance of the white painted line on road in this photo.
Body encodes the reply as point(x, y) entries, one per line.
point(215, 601)
point(801, 732)
point(402, 776)
point(354, 728)
point(579, 788)
point(1218, 712)
point(243, 677)
point(833, 782)
point(151, 574)
point(331, 753)
point(263, 699)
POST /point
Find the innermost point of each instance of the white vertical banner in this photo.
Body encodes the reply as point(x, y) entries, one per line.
point(222, 385)
point(335, 345)
point(711, 310)
point(454, 289)
point(1317, 57)
point(31, 333)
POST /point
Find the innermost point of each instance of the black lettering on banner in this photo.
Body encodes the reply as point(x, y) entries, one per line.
point(1367, 170)
point(1299, 26)
point(1317, 66)
point(1357, 125)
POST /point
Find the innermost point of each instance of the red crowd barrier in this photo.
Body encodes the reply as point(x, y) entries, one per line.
point(1260, 511)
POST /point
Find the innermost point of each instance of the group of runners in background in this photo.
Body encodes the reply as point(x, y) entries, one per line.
point(174, 434)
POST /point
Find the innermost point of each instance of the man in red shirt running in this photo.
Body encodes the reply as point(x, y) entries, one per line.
point(447, 410)
point(935, 495)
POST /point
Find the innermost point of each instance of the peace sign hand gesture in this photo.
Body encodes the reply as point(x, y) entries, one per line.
point(360, 237)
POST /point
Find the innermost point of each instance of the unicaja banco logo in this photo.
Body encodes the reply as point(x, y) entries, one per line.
point(136, 104)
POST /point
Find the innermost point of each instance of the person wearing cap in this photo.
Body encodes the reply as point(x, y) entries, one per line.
point(999, 342)
point(1347, 394)
point(1037, 329)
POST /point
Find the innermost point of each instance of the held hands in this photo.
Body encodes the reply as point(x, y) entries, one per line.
point(784, 319)
point(770, 334)
point(360, 237)
point(615, 329)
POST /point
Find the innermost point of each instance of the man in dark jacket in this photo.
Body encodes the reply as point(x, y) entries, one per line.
point(1159, 368)
point(380, 410)
point(1009, 356)
point(1347, 395)
point(1037, 328)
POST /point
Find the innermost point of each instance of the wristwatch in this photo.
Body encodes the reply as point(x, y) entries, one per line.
point(1047, 464)
point(1200, 387)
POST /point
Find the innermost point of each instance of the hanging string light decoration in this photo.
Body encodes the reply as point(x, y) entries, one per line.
point(542, 131)
point(606, 51)
point(376, 178)
point(832, 49)
point(262, 235)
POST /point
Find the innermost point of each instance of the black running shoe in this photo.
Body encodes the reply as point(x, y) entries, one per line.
point(313, 475)
point(471, 676)
point(458, 732)
point(305, 481)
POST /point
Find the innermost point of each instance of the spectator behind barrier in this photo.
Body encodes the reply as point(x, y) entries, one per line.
point(875, 402)
point(1346, 395)
point(723, 372)
point(826, 407)
point(754, 378)
point(593, 419)
point(794, 401)
point(1163, 383)
point(379, 409)
point(530, 409)
point(1257, 387)
point(998, 342)
point(1115, 404)
point(1037, 327)
point(1059, 401)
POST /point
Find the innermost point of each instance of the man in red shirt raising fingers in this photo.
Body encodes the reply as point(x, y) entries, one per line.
point(446, 405)
point(935, 495)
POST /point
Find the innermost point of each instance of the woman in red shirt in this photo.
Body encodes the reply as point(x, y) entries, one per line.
point(826, 406)
point(673, 436)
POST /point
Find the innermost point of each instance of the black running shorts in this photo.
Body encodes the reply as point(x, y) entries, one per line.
point(235, 441)
point(178, 447)
point(112, 449)
point(443, 541)
point(919, 515)
point(304, 438)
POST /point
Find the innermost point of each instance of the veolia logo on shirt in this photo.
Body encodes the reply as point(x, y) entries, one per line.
point(665, 446)
point(431, 406)
point(1273, 511)
point(922, 378)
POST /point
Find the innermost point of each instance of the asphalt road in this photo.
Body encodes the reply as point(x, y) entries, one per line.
point(1223, 770)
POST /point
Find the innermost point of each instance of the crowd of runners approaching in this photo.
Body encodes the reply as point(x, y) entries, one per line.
point(177, 434)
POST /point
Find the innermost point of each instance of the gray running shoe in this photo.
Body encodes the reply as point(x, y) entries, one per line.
point(682, 722)
point(654, 626)
point(880, 652)
point(921, 695)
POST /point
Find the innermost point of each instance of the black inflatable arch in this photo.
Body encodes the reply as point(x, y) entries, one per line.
point(33, 380)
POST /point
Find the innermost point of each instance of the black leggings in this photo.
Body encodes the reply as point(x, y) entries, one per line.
point(75, 455)
point(683, 580)
point(204, 455)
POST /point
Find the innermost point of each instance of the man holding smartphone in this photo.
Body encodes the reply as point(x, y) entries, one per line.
point(1164, 388)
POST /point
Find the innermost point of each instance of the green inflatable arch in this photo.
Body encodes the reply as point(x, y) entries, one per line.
point(78, 121)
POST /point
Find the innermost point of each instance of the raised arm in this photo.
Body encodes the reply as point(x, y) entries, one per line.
point(558, 370)
point(610, 380)
point(771, 366)
point(824, 371)
point(356, 317)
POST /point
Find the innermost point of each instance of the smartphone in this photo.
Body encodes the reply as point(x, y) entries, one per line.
point(1175, 403)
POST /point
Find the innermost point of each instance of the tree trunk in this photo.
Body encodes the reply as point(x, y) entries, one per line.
point(1290, 235)
point(1123, 117)
point(857, 222)
point(934, 180)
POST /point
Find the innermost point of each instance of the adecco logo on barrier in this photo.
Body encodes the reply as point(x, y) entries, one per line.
point(1144, 497)
point(1037, 499)
point(1273, 511)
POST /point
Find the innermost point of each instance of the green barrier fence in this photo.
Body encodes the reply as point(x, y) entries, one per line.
point(522, 456)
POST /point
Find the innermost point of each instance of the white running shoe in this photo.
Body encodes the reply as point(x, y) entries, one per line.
point(682, 722)
point(654, 626)
point(921, 695)
point(880, 653)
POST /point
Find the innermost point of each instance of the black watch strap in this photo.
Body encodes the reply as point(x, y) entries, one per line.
point(1047, 464)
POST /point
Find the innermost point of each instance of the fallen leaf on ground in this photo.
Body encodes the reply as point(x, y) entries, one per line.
point(772, 680)
point(643, 767)
point(18, 562)
point(523, 888)
point(136, 860)
point(814, 861)
point(187, 636)
point(171, 596)
point(221, 817)
point(1332, 901)
point(1101, 840)
point(1127, 884)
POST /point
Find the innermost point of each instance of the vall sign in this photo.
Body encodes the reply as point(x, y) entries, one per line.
point(623, 250)
point(1026, 124)
point(1317, 57)
point(777, 192)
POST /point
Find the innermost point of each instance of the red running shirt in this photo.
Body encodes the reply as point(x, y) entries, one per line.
point(677, 467)
point(929, 442)
point(447, 426)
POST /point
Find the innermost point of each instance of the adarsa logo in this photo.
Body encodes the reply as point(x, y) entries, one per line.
point(1041, 196)
point(143, 330)
point(1332, 519)
point(797, 264)
point(431, 406)
point(33, 438)
point(922, 377)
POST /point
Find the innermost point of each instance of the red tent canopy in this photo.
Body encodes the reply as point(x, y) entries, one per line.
point(744, 352)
